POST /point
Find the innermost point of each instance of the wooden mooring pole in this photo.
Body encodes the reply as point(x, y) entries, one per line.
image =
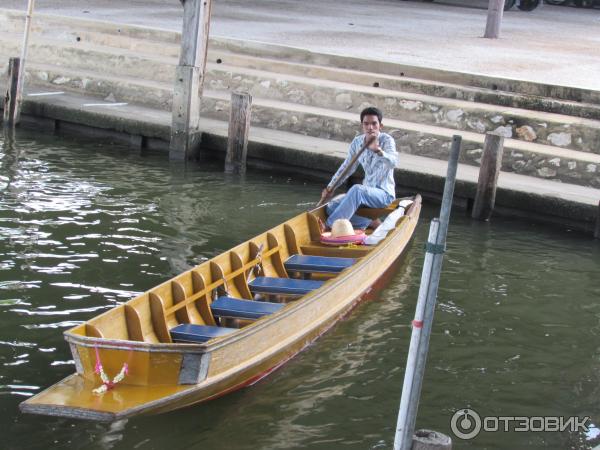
point(21, 72)
point(494, 19)
point(239, 127)
point(424, 311)
point(491, 162)
point(11, 99)
point(189, 78)
point(16, 76)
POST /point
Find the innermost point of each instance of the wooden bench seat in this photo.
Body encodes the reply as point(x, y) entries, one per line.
point(317, 264)
point(283, 286)
point(235, 308)
point(197, 334)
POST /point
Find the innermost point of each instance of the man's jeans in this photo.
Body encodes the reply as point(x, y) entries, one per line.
point(358, 195)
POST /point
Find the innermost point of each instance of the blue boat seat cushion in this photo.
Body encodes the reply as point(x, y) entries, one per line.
point(317, 264)
point(283, 286)
point(197, 334)
point(236, 308)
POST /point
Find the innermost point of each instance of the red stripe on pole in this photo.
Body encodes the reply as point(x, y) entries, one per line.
point(417, 323)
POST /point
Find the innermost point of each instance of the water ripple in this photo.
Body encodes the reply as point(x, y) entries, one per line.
point(18, 344)
point(66, 312)
point(99, 289)
point(19, 285)
point(65, 324)
point(86, 227)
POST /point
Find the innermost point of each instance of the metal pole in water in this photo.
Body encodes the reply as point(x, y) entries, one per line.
point(438, 250)
point(419, 346)
point(417, 323)
point(21, 77)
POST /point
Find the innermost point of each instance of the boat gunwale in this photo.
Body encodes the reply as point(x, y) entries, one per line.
point(258, 325)
point(142, 346)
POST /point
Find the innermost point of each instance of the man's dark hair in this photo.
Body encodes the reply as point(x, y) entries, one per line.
point(371, 111)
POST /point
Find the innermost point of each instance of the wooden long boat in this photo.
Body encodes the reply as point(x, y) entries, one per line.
point(172, 347)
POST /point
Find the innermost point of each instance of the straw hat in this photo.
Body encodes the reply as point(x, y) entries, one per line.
point(342, 227)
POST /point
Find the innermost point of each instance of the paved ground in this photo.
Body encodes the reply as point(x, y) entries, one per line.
point(555, 45)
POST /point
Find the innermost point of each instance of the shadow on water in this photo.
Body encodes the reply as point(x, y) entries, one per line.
point(85, 227)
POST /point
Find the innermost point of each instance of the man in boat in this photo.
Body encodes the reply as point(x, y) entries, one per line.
point(378, 160)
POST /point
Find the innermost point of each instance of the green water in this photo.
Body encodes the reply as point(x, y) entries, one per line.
point(84, 227)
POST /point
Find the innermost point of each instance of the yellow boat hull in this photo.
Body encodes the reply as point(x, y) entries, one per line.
point(163, 375)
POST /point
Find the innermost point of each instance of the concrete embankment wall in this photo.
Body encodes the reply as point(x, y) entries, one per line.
point(306, 106)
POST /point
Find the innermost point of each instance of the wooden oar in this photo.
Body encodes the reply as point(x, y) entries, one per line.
point(325, 198)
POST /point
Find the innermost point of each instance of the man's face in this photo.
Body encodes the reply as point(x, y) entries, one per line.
point(371, 125)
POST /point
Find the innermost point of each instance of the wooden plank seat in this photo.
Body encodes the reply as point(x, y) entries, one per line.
point(235, 308)
point(317, 264)
point(197, 334)
point(283, 286)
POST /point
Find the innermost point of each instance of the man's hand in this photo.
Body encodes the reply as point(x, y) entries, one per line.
point(373, 144)
point(325, 196)
point(377, 150)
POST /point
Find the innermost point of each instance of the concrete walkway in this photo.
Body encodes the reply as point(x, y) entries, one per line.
point(553, 45)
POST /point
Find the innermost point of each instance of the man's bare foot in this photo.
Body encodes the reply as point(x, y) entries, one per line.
point(374, 224)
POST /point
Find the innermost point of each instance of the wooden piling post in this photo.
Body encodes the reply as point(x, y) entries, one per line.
point(491, 161)
point(11, 99)
point(239, 127)
point(21, 70)
point(494, 19)
point(597, 230)
point(189, 77)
